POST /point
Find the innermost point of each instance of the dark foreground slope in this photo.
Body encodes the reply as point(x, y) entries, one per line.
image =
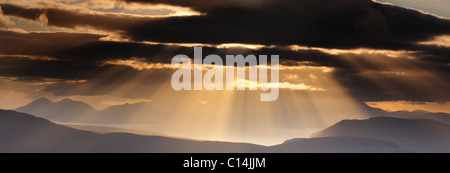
point(337, 145)
point(20, 132)
point(421, 135)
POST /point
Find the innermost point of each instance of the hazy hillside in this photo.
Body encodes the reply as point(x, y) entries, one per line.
point(78, 112)
point(105, 130)
point(20, 132)
point(411, 134)
point(388, 132)
point(65, 110)
point(337, 145)
point(376, 112)
point(70, 111)
point(441, 117)
point(161, 111)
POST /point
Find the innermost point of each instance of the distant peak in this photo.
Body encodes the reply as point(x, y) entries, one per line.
point(38, 102)
point(42, 99)
point(67, 100)
point(72, 103)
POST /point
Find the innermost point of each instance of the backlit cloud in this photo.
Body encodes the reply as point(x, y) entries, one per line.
point(376, 51)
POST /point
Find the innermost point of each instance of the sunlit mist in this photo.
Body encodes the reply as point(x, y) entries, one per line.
point(308, 97)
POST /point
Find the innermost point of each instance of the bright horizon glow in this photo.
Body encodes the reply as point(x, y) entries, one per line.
point(410, 106)
point(229, 115)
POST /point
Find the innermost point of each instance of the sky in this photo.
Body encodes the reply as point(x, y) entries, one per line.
point(335, 55)
point(435, 7)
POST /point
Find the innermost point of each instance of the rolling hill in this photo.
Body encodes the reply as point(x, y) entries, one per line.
point(421, 135)
point(20, 132)
point(386, 132)
point(65, 110)
point(337, 145)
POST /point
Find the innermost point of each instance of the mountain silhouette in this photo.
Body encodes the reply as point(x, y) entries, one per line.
point(66, 110)
point(71, 111)
point(418, 114)
point(337, 145)
point(420, 135)
point(20, 132)
point(441, 117)
point(106, 129)
point(161, 111)
point(412, 131)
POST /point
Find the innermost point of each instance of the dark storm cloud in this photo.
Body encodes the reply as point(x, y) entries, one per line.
point(99, 51)
point(322, 23)
point(41, 43)
point(397, 79)
point(435, 54)
point(84, 62)
point(98, 79)
point(26, 68)
point(87, 48)
point(366, 89)
point(72, 18)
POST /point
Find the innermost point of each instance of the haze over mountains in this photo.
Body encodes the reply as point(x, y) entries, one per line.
point(72, 111)
point(20, 132)
point(65, 110)
point(272, 122)
point(411, 134)
point(418, 114)
point(414, 132)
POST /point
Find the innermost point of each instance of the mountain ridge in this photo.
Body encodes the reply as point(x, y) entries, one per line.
point(84, 113)
point(422, 135)
point(21, 132)
point(63, 110)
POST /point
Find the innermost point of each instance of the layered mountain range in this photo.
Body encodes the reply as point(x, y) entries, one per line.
point(385, 132)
